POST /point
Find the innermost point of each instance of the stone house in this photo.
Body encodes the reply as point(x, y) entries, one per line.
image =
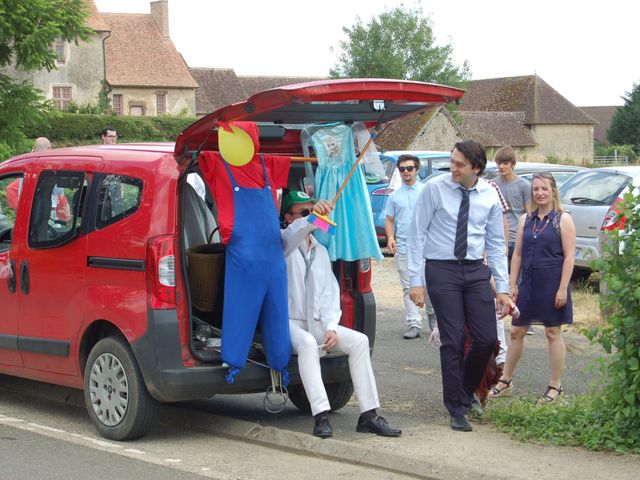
point(523, 112)
point(144, 72)
point(528, 114)
point(131, 56)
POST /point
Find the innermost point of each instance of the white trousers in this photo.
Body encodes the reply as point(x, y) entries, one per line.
point(351, 342)
point(502, 356)
point(412, 314)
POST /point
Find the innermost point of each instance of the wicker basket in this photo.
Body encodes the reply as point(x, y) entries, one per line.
point(205, 271)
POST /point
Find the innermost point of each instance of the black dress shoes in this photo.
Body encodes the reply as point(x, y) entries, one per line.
point(377, 425)
point(322, 427)
point(461, 424)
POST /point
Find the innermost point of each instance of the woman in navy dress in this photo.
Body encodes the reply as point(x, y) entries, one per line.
point(542, 262)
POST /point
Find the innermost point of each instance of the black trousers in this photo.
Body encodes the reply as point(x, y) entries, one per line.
point(462, 296)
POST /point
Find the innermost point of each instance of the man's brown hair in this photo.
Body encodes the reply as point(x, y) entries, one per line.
point(406, 157)
point(506, 155)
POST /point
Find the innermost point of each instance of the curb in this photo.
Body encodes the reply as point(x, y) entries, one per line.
point(329, 448)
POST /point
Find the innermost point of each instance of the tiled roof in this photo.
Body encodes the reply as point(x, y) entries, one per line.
point(138, 55)
point(255, 84)
point(603, 116)
point(540, 103)
point(95, 20)
point(400, 134)
point(217, 87)
point(495, 129)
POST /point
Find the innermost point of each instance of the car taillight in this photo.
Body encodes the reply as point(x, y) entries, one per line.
point(161, 272)
point(382, 192)
point(364, 276)
point(612, 219)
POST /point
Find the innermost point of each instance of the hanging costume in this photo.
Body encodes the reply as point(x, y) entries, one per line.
point(255, 289)
point(355, 236)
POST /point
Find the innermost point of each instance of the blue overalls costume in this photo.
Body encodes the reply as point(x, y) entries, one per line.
point(255, 289)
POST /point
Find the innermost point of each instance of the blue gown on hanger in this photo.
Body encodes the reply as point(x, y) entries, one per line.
point(355, 235)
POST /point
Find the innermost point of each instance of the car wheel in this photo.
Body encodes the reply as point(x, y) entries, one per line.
point(338, 393)
point(114, 391)
point(580, 275)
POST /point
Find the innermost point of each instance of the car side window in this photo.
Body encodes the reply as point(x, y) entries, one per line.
point(56, 212)
point(118, 197)
point(10, 189)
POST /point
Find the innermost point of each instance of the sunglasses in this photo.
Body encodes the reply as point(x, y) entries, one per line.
point(410, 168)
point(303, 213)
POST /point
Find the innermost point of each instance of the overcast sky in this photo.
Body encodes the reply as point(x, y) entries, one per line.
point(588, 51)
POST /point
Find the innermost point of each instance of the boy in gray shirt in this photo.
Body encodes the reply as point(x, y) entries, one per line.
point(517, 193)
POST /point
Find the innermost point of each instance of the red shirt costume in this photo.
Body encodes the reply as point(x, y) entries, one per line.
point(249, 175)
point(13, 193)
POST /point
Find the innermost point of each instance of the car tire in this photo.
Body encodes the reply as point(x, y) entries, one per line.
point(338, 393)
point(115, 395)
point(580, 275)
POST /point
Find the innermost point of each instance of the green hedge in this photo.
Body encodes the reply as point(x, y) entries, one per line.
point(66, 129)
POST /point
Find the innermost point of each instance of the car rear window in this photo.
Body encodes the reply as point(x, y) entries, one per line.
point(593, 188)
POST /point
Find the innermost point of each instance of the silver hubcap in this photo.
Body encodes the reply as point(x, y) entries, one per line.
point(109, 389)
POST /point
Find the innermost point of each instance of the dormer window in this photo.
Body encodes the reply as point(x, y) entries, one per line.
point(61, 52)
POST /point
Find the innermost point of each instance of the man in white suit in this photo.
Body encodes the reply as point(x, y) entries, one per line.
point(314, 314)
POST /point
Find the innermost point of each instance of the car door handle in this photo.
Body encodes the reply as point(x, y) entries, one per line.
point(12, 281)
point(24, 277)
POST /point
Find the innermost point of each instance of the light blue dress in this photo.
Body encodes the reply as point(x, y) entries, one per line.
point(355, 236)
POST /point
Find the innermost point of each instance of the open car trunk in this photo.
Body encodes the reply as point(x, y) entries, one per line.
point(281, 114)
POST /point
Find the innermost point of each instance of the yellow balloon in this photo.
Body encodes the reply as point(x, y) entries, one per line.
point(236, 147)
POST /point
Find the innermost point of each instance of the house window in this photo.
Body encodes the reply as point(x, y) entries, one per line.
point(117, 103)
point(161, 103)
point(59, 48)
point(61, 97)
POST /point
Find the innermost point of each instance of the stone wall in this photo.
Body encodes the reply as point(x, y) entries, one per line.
point(83, 71)
point(563, 143)
point(438, 134)
point(176, 99)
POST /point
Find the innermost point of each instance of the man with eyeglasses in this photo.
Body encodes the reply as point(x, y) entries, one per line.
point(399, 211)
point(314, 316)
point(109, 135)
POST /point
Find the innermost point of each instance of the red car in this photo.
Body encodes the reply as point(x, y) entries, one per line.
point(99, 296)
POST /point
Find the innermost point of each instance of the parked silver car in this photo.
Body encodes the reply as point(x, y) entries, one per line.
point(591, 197)
point(560, 172)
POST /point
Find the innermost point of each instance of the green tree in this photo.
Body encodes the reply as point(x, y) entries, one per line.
point(625, 124)
point(28, 29)
point(397, 44)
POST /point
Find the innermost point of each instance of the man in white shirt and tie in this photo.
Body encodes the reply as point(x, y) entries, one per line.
point(314, 316)
point(457, 217)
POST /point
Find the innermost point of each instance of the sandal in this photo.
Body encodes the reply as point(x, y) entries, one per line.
point(546, 398)
point(505, 391)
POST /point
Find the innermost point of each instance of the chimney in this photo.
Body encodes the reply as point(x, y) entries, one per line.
point(160, 13)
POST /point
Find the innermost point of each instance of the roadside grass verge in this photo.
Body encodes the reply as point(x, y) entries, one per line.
point(582, 420)
point(603, 419)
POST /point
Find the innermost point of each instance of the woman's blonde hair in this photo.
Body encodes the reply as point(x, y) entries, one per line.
point(557, 204)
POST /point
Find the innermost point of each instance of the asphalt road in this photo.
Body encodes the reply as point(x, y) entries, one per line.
point(27, 454)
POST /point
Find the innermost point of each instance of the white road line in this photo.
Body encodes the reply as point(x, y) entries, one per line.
point(44, 427)
point(134, 450)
